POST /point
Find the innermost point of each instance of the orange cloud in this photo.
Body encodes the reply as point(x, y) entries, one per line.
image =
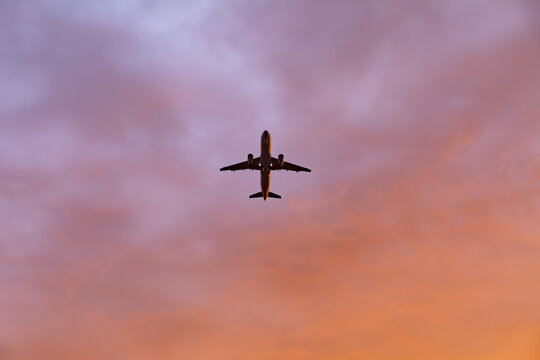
point(415, 236)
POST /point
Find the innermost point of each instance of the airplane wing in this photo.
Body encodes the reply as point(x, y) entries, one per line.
point(291, 167)
point(243, 166)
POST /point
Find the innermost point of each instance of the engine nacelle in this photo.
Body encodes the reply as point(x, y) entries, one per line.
point(250, 159)
point(281, 160)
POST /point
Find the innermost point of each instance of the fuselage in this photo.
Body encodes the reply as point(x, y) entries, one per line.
point(266, 162)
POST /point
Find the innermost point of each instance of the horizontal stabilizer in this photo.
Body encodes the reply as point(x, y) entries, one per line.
point(260, 194)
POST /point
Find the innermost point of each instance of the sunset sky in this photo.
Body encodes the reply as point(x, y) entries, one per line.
point(415, 236)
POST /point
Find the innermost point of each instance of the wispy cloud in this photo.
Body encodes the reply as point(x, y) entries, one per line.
point(414, 237)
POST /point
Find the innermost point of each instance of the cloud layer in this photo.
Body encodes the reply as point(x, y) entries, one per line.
point(415, 237)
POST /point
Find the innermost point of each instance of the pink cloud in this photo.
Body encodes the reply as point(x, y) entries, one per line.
point(414, 236)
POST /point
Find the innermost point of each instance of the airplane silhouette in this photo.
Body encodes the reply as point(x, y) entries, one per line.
point(265, 163)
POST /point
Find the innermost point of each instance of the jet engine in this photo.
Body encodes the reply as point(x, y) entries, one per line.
point(281, 160)
point(250, 159)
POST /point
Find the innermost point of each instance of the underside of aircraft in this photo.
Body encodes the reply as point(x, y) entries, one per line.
point(265, 163)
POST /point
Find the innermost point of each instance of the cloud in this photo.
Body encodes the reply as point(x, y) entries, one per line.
point(414, 236)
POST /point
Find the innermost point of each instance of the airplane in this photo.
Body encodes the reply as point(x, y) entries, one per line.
point(265, 163)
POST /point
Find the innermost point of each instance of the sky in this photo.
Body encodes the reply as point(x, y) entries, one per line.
point(415, 236)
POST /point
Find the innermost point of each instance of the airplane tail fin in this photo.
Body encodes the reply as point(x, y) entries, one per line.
point(272, 195)
point(260, 194)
